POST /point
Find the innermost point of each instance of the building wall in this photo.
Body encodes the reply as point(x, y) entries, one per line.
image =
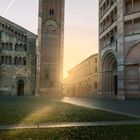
point(17, 59)
point(119, 35)
point(82, 80)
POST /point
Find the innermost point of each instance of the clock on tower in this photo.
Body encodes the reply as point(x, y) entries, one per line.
point(50, 47)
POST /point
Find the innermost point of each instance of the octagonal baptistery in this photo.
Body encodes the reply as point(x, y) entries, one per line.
point(119, 49)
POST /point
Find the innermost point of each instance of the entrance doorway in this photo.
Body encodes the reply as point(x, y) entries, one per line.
point(109, 81)
point(20, 88)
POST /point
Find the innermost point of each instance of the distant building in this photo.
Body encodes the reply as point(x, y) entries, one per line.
point(82, 80)
point(119, 49)
point(17, 59)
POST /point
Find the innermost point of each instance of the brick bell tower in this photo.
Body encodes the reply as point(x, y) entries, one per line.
point(50, 47)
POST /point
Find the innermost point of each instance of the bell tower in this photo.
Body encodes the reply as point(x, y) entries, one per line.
point(50, 47)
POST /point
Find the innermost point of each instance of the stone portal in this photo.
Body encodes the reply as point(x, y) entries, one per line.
point(109, 82)
point(20, 88)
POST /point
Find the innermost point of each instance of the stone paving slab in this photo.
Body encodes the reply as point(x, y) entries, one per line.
point(66, 125)
point(128, 107)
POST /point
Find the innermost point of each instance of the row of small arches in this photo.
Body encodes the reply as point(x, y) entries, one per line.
point(13, 31)
point(20, 47)
point(9, 46)
point(16, 60)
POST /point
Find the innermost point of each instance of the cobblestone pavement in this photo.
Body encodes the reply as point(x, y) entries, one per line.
point(126, 107)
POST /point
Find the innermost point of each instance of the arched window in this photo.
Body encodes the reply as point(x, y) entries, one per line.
point(12, 30)
point(9, 29)
point(16, 61)
point(20, 47)
point(10, 60)
point(16, 47)
point(24, 61)
point(2, 59)
point(16, 33)
point(25, 38)
point(6, 60)
point(51, 12)
point(19, 34)
point(3, 45)
point(20, 61)
point(25, 47)
point(2, 26)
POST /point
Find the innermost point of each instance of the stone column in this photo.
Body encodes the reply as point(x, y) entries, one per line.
point(109, 82)
point(121, 57)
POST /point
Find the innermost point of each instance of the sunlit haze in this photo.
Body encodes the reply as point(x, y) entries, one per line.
point(81, 25)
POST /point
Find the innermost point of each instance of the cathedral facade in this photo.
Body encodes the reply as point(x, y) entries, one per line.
point(119, 49)
point(17, 59)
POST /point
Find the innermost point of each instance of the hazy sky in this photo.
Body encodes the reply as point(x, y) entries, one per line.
point(81, 25)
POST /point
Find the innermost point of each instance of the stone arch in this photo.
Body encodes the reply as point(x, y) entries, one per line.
point(133, 56)
point(109, 74)
point(132, 71)
point(107, 56)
